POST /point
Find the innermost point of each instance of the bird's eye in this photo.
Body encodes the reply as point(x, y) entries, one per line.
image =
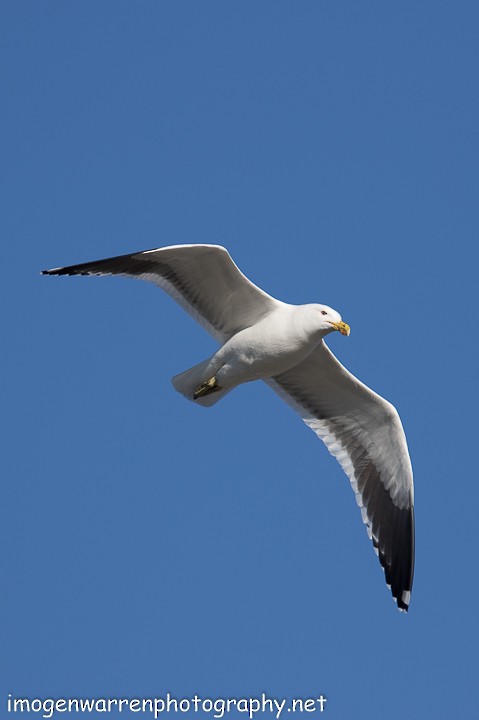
point(323, 312)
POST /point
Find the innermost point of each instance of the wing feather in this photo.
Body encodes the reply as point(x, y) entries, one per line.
point(363, 431)
point(203, 279)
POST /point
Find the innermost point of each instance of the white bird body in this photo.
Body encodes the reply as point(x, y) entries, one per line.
point(262, 338)
point(275, 344)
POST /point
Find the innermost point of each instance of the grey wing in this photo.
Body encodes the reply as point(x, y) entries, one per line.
point(363, 431)
point(203, 279)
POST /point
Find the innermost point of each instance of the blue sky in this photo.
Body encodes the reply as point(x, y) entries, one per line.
point(150, 545)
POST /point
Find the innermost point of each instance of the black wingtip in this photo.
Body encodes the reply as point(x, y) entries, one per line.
point(62, 271)
point(403, 600)
point(52, 271)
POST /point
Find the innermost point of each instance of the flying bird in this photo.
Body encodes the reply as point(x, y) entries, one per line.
point(262, 338)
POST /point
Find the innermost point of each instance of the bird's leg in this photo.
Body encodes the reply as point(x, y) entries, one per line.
point(210, 386)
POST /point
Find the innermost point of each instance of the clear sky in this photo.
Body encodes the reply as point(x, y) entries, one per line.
point(149, 545)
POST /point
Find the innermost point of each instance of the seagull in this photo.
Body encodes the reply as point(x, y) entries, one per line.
point(262, 338)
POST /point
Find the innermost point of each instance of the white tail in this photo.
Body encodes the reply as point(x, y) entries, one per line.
point(187, 382)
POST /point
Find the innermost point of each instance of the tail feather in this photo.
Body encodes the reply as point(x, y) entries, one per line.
point(187, 382)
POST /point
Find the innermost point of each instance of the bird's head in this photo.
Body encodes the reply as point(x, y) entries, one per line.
point(326, 320)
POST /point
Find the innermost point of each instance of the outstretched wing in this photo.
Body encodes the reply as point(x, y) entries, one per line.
point(203, 279)
point(363, 431)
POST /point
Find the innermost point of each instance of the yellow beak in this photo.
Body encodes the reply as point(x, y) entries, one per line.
point(343, 327)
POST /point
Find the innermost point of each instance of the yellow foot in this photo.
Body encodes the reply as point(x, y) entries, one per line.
point(206, 388)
